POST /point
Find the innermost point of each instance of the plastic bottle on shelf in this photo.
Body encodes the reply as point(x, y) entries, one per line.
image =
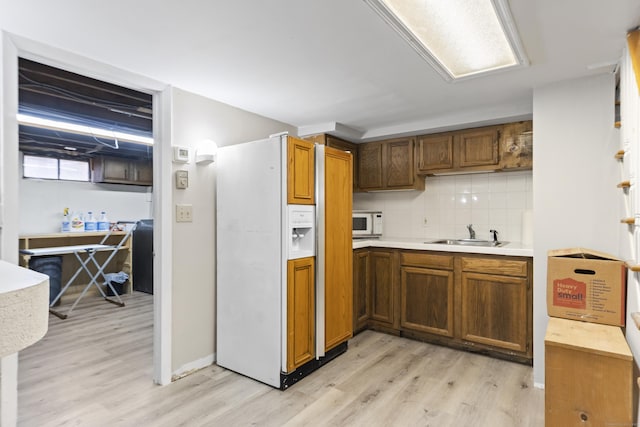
point(77, 222)
point(103, 222)
point(66, 222)
point(90, 223)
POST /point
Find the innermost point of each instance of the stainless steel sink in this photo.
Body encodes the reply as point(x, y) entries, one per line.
point(468, 242)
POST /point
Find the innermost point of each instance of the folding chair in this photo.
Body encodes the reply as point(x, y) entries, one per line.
point(89, 251)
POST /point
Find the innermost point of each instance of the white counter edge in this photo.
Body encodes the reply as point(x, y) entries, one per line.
point(510, 249)
point(24, 307)
point(15, 278)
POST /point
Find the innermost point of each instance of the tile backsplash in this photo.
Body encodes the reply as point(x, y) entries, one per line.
point(449, 203)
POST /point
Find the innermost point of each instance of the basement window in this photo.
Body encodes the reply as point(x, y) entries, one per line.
point(52, 168)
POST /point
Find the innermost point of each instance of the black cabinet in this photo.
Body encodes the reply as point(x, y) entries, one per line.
point(142, 256)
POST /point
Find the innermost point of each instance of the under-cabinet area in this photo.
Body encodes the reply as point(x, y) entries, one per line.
point(476, 302)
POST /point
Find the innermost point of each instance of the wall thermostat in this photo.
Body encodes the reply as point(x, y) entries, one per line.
point(181, 154)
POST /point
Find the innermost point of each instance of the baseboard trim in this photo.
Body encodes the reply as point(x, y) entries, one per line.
point(189, 368)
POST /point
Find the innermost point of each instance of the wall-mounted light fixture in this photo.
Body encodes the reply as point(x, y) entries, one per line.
point(206, 152)
point(460, 39)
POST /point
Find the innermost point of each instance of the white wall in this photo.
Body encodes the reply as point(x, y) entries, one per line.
point(8, 215)
point(630, 202)
point(196, 118)
point(448, 203)
point(574, 180)
point(42, 202)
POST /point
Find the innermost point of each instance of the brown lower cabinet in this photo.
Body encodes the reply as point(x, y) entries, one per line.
point(426, 288)
point(382, 287)
point(474, 302)
point(361, 290)
point(495, 303)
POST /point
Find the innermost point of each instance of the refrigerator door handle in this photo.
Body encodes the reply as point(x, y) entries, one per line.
point(320, 250)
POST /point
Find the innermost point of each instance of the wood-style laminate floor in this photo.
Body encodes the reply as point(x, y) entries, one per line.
point(94, 369)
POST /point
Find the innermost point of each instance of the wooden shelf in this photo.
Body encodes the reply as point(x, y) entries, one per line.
point(624, 184)
point(633, 42)
point(629, 221)
point(619, 155)
point(121, 261)
point(634, 268)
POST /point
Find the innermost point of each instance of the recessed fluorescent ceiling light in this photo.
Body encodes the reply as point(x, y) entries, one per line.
point(27, 120)
point(459, 38)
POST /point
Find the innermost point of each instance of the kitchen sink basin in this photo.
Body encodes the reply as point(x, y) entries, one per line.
point(468, 242)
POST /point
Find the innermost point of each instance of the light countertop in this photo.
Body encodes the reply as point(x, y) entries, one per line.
point(24, 303)
point(511, 248)
point(16, 278)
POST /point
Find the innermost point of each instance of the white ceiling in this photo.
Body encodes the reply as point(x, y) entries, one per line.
point(324, 65)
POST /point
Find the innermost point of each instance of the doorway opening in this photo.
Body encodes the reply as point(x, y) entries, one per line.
point(86, 154)
point(86, 148)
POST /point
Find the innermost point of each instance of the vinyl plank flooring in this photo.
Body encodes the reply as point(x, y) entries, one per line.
point(94, 369)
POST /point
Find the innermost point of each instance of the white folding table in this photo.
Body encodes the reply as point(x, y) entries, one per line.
point(89, 251)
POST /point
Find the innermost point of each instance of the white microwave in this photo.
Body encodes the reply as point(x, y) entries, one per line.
point(366, 224)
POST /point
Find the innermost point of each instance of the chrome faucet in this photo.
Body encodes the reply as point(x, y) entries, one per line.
point(495, 235)
point(472, 232)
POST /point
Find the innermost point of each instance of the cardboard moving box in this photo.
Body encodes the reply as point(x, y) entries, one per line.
point(587, 285)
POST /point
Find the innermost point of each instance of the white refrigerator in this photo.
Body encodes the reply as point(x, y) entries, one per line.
point(257, 234)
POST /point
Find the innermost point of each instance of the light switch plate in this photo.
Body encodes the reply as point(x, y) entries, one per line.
point(184, 213)
point(182, 179)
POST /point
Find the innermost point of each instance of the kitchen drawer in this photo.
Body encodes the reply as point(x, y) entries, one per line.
point(427, 259)
point(501, 266)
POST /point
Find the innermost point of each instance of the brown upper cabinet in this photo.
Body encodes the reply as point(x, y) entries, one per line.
point(388, 165)
point(401, 163)
point(490, 148)
point(468, 150)
point(477, 149)
point(300, 172)
point(516, 146)
point(370, 165)
point(122, 171)
point(435, 152)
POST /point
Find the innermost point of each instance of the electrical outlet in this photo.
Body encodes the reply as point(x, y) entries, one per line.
point(184, 213)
